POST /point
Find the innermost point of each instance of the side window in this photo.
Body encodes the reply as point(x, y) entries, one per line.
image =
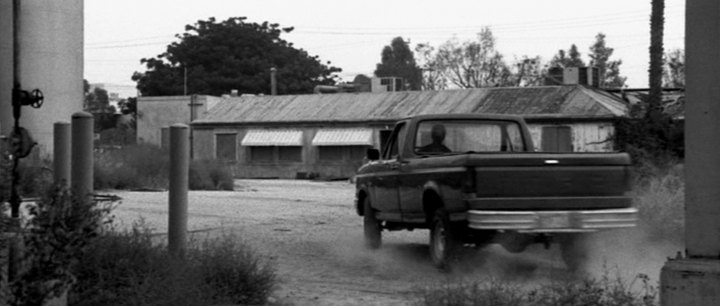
point(397, 139)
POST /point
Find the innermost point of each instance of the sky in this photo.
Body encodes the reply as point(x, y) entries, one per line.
point(352, 34)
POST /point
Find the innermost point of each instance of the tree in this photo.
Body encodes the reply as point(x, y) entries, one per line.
point(128, 106)
point(609, 70)
point(674, 69)
point(432, 77)
point(216, 57)
point(571, 58)
point(399, 61)
point(97, 103)
point(529, 71)
point(473, 64)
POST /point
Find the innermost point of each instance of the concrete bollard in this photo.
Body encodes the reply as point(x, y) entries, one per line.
point(178, 194)
point(61, 153)
point(82, 153)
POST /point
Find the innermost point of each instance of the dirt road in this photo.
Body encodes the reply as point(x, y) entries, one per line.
point(310, 232)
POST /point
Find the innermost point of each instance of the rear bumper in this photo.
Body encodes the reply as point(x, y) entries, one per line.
point(553, 221)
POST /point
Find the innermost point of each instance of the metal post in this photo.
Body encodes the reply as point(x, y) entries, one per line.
point(61, 153)
point(178, 194)
point(82, 154)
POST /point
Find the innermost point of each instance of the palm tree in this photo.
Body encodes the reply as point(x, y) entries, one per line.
point(657, 21)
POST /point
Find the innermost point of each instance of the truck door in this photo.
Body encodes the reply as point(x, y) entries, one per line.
point(385, 183)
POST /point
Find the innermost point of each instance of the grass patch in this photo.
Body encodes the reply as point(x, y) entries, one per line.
point(131, 268)
point(605, 291)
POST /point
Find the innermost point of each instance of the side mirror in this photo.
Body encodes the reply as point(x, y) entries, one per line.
point(373, 154)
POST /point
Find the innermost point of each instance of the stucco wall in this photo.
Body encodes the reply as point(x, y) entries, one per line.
point(51, 59)
point(155, 113)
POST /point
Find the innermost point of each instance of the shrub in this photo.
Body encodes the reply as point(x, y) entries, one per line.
point(147, 166)
point(659, 195)
point(210, 175)
point(58, 231)
point(134, 166)
point(131, 268)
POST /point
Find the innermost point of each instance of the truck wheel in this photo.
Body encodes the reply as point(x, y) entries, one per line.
point(574, 251)
point(514, 242)
point(371, 226)
point(443, 242)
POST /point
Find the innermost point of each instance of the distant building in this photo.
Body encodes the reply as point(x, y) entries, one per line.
point(297, 136)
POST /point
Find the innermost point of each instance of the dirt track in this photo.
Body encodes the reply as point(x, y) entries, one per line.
point(310, 231)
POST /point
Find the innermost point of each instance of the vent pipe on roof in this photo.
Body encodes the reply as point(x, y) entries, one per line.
point(273, 82)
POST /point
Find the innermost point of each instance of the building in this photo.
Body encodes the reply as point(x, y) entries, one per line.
point(326, 136)
point(156, 114)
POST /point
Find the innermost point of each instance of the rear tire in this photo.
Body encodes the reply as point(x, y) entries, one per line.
point(371, 226)
point(443, 240)
point(574, 252)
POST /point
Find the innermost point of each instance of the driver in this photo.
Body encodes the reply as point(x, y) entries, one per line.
point(437, 133)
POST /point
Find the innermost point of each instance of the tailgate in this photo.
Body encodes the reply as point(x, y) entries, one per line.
point(543, 181)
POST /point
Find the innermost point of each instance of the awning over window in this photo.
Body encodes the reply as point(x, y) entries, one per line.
point(258, 138)
point(343, 137)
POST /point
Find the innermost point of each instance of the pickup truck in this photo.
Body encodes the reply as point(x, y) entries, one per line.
point(475, 180)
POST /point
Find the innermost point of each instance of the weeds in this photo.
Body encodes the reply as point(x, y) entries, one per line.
point(605, 291)
point(58, 231)
point(147, 166)
point(135, 166)
point(131, 268)
point(660, 199)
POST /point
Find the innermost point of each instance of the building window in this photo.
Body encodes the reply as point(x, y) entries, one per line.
point(292, 154)
point(344, 144)
point(330, 153)
point(556, 139)
point(357, 153)
point(226, 147)
point(262, 154)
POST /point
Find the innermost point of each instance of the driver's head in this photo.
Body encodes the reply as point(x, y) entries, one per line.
point(437, 133)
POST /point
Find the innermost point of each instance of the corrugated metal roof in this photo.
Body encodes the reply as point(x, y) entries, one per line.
point(273, 138)
point(551, 101)
point(343, 137)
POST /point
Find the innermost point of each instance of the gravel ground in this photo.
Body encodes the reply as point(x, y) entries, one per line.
point(312, 235)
